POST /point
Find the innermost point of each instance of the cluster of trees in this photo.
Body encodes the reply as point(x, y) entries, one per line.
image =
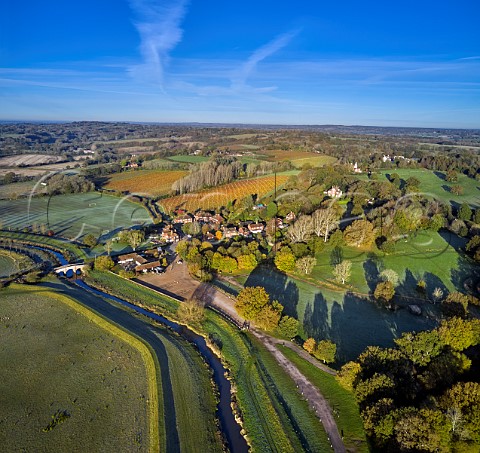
point(422, 395)
point(254, 304)
point(324, 350)
point(63, 184)
point(203, 258)
point(209, 174)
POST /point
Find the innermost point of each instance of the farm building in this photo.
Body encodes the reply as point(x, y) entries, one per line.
point(131, 258)
point(147, 266)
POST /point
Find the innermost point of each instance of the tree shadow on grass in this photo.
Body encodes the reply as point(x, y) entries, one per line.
point(440, 175)
point(466, 277)
point(315, 319)
point(278, 286)
point(372, 274)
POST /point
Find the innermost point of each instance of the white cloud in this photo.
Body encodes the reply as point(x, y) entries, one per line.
point(158, 24)
point(239, 81)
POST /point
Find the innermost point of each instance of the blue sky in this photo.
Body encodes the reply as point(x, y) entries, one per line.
point(305, 62)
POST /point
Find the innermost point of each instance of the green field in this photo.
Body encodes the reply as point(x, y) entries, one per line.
point(73, 216)
point(16, 189)
point(188, 159)
point(315, 161)
point(7, 265)
point(186, 396)
point(342, 402)
point(56, 361)
point(433, 184)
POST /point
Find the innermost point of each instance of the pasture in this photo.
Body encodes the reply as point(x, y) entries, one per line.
point(346, 314)
point(222, 195)
point(188, 159)
point(434, 184)
point(314, 161)
point(152, 183)
point(8, 265)
point(67, 383)
point(28, 160)
point(73, 216)
point(16, 189)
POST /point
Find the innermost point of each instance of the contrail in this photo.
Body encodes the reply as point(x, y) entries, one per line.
point(158, 23)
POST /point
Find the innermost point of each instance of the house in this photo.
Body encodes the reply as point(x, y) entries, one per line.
point(230, 232)
point(279, 223)
point(356, 168)
point(256, 227)
point(210, 236)
point(185, 218)
point(203, 216)
point(334, 192)
point(169, 234)
point(290, 217)
point(386, 158)
point(259, 206)
point(131, 258)
point(242, 231)
point(147, 266)
point(217, 219)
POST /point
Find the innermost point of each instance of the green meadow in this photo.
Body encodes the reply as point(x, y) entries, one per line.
point(73, 216)
point(66, 383)
point(434, 184)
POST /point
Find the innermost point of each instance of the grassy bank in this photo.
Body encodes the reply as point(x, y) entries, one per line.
point(342, 401)
point(137, 294)
point(275, 417)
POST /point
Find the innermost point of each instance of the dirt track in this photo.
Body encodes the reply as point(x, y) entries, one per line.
point(176, 281)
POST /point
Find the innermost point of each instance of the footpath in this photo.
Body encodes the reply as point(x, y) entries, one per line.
point(180, 284)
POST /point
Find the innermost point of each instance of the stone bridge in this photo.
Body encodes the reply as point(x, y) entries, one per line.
point(62, 270)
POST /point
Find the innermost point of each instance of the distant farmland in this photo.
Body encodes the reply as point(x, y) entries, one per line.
point(147, 182)
point(220, 196)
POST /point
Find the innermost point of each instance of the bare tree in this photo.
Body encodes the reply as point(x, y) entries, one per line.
point(325, 220)
point(301, 230)
point(342, 271)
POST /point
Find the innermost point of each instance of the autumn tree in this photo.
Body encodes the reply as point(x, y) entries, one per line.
point(309, 345)
point(132, 237)
point(285, 260)
point(90, 240)
point(250, 301)
point(384, 291)
point(191, 311)
point(288, 327)
point(359, 233)
point(104, 263)
point(389, 275)
point(325, 351)
point(269, 316)
point(465, 212)
point(324, 221)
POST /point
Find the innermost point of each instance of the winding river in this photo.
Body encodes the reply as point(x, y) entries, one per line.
point(101, 303)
